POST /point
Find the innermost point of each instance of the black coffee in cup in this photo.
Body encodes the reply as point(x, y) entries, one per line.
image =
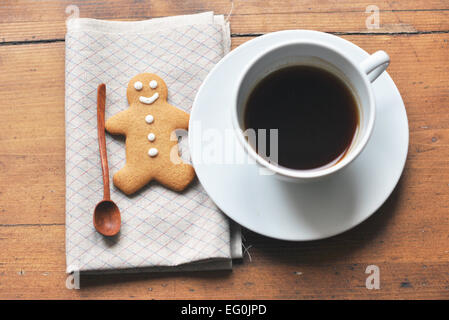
point(315, 112)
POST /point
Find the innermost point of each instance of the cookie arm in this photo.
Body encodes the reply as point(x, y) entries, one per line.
point(181, 118)
point(118, 123)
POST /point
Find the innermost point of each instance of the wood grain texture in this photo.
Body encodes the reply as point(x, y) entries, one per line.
point(407, 238)
point(45, 20)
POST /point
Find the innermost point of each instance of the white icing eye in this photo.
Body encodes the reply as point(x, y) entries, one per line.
point(138, 85)
point(153, 84)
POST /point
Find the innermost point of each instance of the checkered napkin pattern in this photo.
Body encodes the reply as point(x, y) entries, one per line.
point(160, 228)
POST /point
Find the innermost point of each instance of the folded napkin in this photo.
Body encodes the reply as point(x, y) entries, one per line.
point(161, 229)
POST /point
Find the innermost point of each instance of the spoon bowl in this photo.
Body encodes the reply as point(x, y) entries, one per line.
point(107, 218)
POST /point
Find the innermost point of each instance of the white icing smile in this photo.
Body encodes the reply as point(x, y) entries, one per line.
point(149, 100)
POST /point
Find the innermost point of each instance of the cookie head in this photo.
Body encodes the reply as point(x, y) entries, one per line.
point(146, 89)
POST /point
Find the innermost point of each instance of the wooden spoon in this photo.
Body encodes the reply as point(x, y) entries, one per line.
point(106, 215)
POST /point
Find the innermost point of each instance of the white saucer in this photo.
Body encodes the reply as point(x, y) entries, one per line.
point(309, 211)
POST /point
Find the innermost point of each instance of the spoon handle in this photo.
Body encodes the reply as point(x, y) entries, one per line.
point(101, 101)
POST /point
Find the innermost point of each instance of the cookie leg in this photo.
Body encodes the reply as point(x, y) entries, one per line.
point(176, 176)
point(129, 180)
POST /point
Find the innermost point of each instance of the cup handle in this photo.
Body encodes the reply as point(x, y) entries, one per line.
point(375, 64)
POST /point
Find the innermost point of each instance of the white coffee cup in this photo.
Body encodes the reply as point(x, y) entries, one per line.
point(358, 77)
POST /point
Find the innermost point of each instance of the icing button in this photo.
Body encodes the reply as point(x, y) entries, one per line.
point(151, 136)
point(152, 152)
point(149, 118)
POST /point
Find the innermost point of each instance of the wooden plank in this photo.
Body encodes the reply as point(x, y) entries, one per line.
point(32, 174)
point(45, 20)
point(277, 270)
point(343, 22)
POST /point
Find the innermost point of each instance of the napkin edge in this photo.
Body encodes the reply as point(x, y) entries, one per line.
point(141, 26)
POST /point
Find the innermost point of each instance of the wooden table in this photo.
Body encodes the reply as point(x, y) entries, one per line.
point(408, 238)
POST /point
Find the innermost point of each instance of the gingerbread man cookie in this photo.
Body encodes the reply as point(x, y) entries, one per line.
point(149, 124)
